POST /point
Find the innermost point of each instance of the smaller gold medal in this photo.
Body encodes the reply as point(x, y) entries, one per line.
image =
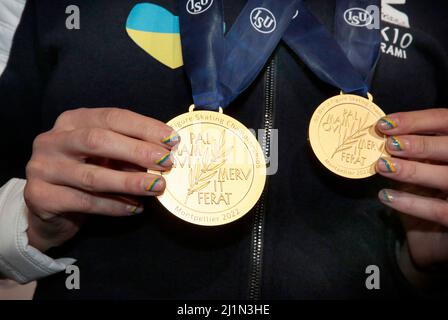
point(343, 136)
point(219, 169)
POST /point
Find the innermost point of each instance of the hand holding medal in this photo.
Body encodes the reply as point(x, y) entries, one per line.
point(418, 143)
point(342, 130)
point(220, 170)
point(348, 139)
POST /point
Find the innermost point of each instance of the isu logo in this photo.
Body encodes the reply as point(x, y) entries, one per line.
point(358, 17)
point(263, 20)
point(198, 6)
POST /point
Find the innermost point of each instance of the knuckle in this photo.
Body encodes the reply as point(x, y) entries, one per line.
point(132, 184)
point(149, 128)
point(41, 140)
point(145, 129)
point(421, 147)
point(39, 201)
point(406, 206)
point(417, 146)
point(94, 138)
point(86, 203)
point(111, 116)
point(410, 172)
point(65, 118)
point(35, 168)
point(142, 153)
point(32, 193)
point(88, 179)
point(28, 192)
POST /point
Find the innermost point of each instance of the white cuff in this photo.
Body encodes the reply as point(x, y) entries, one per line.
point(18, 260)
point(10, 14)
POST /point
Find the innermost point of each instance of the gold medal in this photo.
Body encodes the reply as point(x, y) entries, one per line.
point(219, 170)
point(343, 136)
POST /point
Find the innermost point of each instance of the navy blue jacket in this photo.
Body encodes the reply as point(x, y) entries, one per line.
point(311, 236)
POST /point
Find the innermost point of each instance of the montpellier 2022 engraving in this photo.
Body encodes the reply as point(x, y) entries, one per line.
point(219, 170)
point(343, 137)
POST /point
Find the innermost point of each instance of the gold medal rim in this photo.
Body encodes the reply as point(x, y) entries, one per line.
point(254, 193)
point(313, 131)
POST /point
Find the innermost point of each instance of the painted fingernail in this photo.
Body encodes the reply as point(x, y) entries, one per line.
point(165, 160)
point(396, 144)
point(133, 210)
point(171, 140)
point(387, 165)
point(387, 195)
point(153, 185)
point(387, 123)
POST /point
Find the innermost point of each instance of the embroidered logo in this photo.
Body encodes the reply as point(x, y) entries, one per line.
point(198, 6)
point(358, 17)
point(263, 20)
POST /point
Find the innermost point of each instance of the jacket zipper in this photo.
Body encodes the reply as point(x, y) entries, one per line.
point(259, 217)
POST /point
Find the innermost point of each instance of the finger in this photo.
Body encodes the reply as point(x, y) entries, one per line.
point(423, 174)
point(121, 121)
point(108, 144)
point(431, 209)
point(98, 179)
point(419, 147)
point(48, 200)
point(423, 121)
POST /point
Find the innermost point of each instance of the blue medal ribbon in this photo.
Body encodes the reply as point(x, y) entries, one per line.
point(348, 59)
point(221, 66)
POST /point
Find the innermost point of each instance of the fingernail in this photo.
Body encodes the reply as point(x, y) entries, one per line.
point(387, 165)
point(171, 140)
point(387, 123)
point(153, 185)
point(396, 144)
point(165, 160)
point(387, 195)
point(133, 210)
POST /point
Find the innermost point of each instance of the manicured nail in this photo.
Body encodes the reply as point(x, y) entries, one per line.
point(387, 123)
point(387, 195)
point(165, 160)
point(134, 209)
point(153, 185)
point(396, 144)
point(387, 165)
point(171, 140)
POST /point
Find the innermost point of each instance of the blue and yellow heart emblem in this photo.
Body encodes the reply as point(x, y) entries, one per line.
point(156, 30)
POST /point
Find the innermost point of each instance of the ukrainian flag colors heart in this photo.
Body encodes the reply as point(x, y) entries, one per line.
point(156, 30)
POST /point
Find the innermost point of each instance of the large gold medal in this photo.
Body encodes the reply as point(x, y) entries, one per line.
point(343, 137)
point(219, 170)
